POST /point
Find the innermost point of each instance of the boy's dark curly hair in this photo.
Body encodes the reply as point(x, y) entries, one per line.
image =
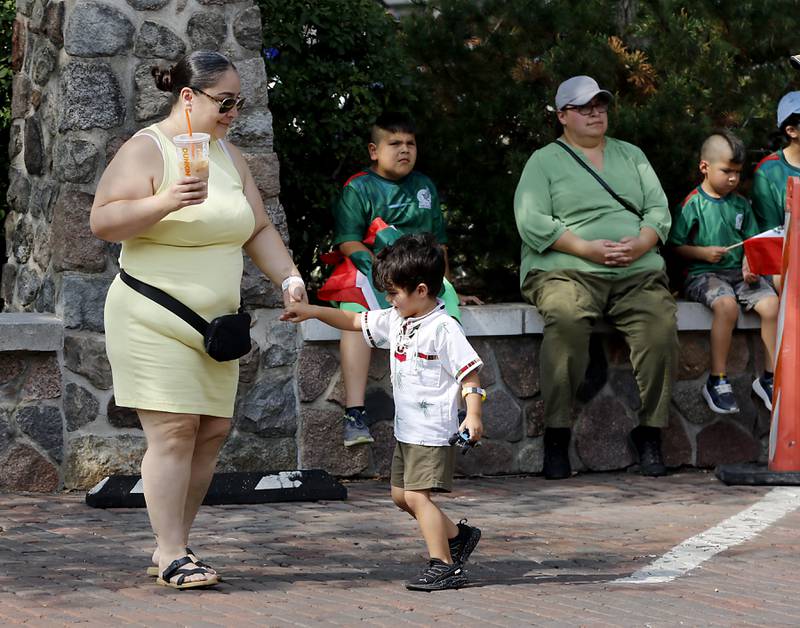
point(412, 259)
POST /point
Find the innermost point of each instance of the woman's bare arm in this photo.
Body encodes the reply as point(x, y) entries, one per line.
point(125, 203)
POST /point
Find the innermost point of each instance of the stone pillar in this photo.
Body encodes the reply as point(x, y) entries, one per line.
point(82, 86)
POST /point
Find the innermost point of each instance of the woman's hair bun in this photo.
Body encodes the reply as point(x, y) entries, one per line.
point(163, 78)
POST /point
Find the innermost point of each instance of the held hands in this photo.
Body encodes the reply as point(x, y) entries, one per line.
point(713, 254)
point(296, 293)
point(297, 311)
point(184, 192)
point(475, 426)
point(294, 290)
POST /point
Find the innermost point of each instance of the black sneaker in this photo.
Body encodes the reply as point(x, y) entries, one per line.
point(763, 388)
point(556, 453)
point(719, 396)
point(463, 545)
point(647, 442)
point(355, 430)
point(438, 575)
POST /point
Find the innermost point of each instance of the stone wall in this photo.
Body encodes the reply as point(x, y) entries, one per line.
point(81, 87)
point(31, 425)
point(513, 411)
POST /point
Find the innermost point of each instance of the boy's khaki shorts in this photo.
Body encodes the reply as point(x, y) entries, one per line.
point(422, 467)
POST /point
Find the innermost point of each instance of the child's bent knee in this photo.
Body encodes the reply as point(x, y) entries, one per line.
point(726, 307)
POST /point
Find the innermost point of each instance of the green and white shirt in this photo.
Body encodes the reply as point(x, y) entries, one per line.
point(703, 220)
point(769, 190)
point(555, 194)
point(410, 204)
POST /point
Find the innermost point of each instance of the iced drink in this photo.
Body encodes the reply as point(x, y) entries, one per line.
point(193, 154)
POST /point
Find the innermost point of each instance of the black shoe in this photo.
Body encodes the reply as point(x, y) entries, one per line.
point(556, 453)
point(463, 545)
point(438, 575)
point(647, 443)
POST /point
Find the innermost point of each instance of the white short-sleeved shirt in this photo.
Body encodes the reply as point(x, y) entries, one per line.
point(429, 357)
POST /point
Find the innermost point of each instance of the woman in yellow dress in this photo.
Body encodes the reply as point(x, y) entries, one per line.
point(184, 236)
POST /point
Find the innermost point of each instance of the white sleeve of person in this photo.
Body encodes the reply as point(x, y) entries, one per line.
point(376, 327)
point(456, 355)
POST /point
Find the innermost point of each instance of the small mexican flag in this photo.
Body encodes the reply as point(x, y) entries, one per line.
point(765, 251)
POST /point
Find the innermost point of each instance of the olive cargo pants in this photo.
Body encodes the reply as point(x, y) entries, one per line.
point(640, 306)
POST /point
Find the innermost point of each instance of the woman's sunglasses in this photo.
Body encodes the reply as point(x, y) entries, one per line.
point(225, 104)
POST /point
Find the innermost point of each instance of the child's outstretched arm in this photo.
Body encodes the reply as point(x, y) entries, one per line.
point(341, 319)
point(474, 402)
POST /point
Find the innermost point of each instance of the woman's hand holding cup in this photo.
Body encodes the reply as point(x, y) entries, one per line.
point(184, 192)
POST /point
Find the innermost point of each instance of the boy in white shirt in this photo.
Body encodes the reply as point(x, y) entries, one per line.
point(431, 360)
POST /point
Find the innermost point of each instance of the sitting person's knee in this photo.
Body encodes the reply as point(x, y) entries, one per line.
point(566, 322)
point(768, 308)
point(726, 308)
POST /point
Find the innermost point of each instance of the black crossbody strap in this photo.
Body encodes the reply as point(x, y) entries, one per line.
point(600, 180)
point(167, 301)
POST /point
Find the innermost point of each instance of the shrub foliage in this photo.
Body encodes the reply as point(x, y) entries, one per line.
point(333, 66)
point(479, 76)
point(488, 71)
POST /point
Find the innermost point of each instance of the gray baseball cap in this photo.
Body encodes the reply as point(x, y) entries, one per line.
point(578, 90)
point(788, 105)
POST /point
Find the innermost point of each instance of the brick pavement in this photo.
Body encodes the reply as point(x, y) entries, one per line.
point(549, 556)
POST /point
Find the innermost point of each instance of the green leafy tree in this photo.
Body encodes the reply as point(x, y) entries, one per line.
point(333, 66)
point(487, 71)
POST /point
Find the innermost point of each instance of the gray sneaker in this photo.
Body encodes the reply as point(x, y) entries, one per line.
point(355, 431)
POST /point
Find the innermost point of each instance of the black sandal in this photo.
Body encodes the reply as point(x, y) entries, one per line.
point(174, 569)
point(153, 570)
point(199, 562)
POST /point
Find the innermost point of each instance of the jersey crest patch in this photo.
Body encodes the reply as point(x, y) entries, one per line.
point(424, 198)
point(739, 221)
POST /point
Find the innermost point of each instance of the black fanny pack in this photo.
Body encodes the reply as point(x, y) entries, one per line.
point(224, 338)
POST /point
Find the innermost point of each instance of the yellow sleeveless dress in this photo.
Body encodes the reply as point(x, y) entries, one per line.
point(195, 255)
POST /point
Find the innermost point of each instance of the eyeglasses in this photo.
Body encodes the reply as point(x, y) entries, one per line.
point(586, 110)
point(225, 104)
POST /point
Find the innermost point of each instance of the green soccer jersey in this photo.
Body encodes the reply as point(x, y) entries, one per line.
point(410, 204)
point(703, 220)
point(769, 189)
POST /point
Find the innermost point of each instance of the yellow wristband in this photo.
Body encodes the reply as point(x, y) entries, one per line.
point(473, 390)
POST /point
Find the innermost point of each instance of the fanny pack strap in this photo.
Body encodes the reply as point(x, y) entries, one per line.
point(166, 301)
point(600, 180)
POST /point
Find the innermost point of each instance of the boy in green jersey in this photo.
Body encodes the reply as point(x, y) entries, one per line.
point(772, 172)
point(391, 191)
point(709, 225)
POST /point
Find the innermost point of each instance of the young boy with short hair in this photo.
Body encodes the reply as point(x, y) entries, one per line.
point(709, 225)
point(432, 367)
point(772, 172)
point(391, 192)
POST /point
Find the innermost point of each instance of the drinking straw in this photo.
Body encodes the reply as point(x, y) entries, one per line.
point(189, 125)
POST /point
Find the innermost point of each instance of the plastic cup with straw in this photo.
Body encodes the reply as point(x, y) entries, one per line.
point(193, 149)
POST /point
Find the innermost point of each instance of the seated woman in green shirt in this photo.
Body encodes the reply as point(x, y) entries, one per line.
point(586, 256)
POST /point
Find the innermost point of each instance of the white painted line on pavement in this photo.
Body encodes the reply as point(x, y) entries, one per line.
point(701, 547)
